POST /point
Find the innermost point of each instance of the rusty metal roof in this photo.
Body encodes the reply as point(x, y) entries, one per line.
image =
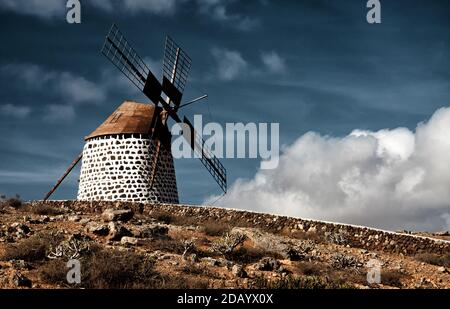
point(129, 118)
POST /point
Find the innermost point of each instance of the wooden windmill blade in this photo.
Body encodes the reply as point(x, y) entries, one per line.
point(120, 52)
point(208, 159)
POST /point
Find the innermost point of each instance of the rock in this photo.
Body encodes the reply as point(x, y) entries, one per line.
point(194, 258)
point(130, 241)
point(152, 230)
point(117, 231)
point(20, 280)
point(292, 255)
point(85, 221)
point(312, 230)
point(238, 271)
point(97, 228)
point(20, 264)
point(442, 269)
point(20, 228)
point(211, 261)
point(123, 215)
point(58, 218)
point(74, 218)
point(45, 219)
point(267, 264)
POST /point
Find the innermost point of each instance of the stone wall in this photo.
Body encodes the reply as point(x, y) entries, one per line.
point(119, 167)
point(356, 236)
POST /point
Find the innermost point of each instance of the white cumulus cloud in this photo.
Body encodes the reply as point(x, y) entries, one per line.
point(394, 179)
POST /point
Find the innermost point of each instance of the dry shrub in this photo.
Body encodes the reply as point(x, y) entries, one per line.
point(163, 217)
point(54, 272)
point(47, 210)
point(317, 237)
point(434, 259)
point(249, 255)
point(13, 202)
point(117, 270)
point(228, 243)
point(32, 249)
point(165, 245)
point(294, 282)
point(169, 218)
point(199, 270)
point(392, 278)
point(311, 269)
point(212, 228)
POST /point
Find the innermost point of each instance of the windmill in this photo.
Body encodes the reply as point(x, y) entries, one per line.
point(129, 156)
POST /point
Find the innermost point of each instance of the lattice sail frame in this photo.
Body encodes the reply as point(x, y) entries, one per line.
point(120, 52)
point(176, 64)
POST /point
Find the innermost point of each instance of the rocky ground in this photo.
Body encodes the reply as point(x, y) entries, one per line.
point(120, 247)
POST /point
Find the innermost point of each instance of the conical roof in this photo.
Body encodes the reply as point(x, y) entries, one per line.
point(130, 118)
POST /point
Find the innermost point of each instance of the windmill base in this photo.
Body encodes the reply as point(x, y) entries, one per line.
point(120, 167)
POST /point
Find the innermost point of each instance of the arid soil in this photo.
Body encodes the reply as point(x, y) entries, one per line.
point(128, 247)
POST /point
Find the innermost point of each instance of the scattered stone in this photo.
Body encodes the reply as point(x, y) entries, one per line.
point(238, 271)
point(154, 230)
point(74, 218)
point(20, 228)
point(130, 241)
point(194, 258)
point(340, 261)
point(45, 219)
point(293, 255)
point(442, 269)
point(20, 264)
point(211, 262)
point(58, 218)
point(85, 221)
point(20, 280)
point(117, 231)
point(97, 229)
point(124, 215)
point(267, 264)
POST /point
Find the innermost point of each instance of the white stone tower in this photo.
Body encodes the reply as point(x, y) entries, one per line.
point(128, 158)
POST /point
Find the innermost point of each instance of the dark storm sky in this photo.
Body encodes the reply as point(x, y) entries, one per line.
point(312, 65)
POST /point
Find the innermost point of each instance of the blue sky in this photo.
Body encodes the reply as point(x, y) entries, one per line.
point(309, 65)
